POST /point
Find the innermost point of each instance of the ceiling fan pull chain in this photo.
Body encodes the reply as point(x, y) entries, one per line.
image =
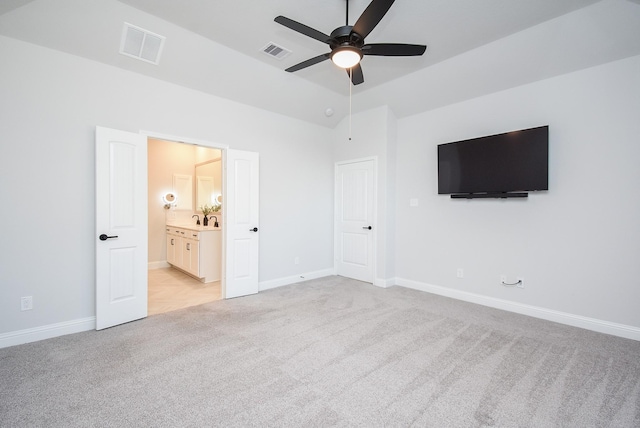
point(350, 89)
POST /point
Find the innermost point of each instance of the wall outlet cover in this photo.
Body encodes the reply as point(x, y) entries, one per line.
point(26, 303)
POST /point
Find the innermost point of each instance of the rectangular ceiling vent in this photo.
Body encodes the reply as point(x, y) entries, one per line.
point(141, 44)
point(275, 51)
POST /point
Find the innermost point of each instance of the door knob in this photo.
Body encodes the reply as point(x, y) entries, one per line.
point(366, 227)
point(255, 229)
point(104, 237)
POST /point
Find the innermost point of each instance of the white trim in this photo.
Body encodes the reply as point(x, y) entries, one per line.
point(29, 335)
point(185, 140)
point(384, 283)
point(20, 337)
point(593, 324)
point(629, 332)
point(274, 283)
point(350, 161)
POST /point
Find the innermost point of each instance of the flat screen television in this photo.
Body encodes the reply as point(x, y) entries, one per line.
point(495, 166)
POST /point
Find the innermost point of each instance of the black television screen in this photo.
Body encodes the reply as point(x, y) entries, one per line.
point(497, 164)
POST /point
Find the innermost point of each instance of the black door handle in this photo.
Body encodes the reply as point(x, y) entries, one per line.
point(104, 237)
point(366, 227)
point(255, 229)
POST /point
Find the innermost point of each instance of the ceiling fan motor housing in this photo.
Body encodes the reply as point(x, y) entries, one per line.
point(344, 36)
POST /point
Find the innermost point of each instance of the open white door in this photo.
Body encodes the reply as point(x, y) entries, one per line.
point(241, 205)
point(355, 190)
point(121, 227)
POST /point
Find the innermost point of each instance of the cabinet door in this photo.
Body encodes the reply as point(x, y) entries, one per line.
point(177, 259)
point(171, 249)
point(193, 253)
point(190, 251)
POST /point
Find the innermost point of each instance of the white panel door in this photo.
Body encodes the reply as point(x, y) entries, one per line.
point(121, 227)
point(241, 204)
point(354, 220)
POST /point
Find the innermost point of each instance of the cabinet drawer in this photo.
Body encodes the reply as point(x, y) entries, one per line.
point(185, 233)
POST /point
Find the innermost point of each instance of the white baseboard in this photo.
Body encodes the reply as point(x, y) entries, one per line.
point(266, 285)
point(629, 332)
point(46, 332)
point(158, 265)
point(384, 283)
point(20, 337)
point(593, 324)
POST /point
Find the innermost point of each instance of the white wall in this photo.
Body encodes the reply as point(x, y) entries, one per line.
point(577, 245)
point(50, 103)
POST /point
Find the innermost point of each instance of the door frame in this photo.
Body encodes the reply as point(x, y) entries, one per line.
point(374, 237)
point(209, 144)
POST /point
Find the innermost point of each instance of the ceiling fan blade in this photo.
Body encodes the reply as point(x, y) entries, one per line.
point(371, 17)
point(303, 29)
point(355, 73)
point(393, 49)
point(308, 63)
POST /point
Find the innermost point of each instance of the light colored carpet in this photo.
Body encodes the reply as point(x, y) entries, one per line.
point(327, 352)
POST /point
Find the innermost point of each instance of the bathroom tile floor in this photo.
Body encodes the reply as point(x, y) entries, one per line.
point(170, 289)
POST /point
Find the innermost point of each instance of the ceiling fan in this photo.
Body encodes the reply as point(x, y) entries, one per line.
point(347, 42)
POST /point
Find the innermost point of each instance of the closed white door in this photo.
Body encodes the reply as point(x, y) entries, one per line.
point(241, 203)
point(354, 222)
point(121, 227)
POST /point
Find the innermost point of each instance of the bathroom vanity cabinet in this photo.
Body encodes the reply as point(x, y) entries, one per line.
point(196, 251)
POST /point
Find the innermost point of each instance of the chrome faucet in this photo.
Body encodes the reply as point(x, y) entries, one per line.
point(197, 221)
point(216, 223)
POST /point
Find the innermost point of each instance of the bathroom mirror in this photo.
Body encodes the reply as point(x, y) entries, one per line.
point(208, 183)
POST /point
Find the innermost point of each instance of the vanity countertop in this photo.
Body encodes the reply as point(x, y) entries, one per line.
point(195, 227)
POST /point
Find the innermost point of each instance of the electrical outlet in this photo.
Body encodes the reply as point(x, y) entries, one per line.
point(503, 279)
point(26, 303)
point(296, 260)
point(520, 282)
point(460, 273)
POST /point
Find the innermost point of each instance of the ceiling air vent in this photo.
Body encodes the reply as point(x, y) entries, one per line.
point(141, 44)
point(275, 51)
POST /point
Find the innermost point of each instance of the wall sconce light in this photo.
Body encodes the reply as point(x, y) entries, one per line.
point(169, 199)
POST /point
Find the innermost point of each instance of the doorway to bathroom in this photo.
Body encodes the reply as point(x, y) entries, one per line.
point(193, 174)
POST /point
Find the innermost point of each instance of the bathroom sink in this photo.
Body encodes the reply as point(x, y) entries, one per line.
point(193, 226)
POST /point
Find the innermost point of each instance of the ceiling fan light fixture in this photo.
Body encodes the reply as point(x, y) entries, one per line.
point(346, 56)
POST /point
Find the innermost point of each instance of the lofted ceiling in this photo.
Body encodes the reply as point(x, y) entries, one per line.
point(447, 27)
point(216, 46)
